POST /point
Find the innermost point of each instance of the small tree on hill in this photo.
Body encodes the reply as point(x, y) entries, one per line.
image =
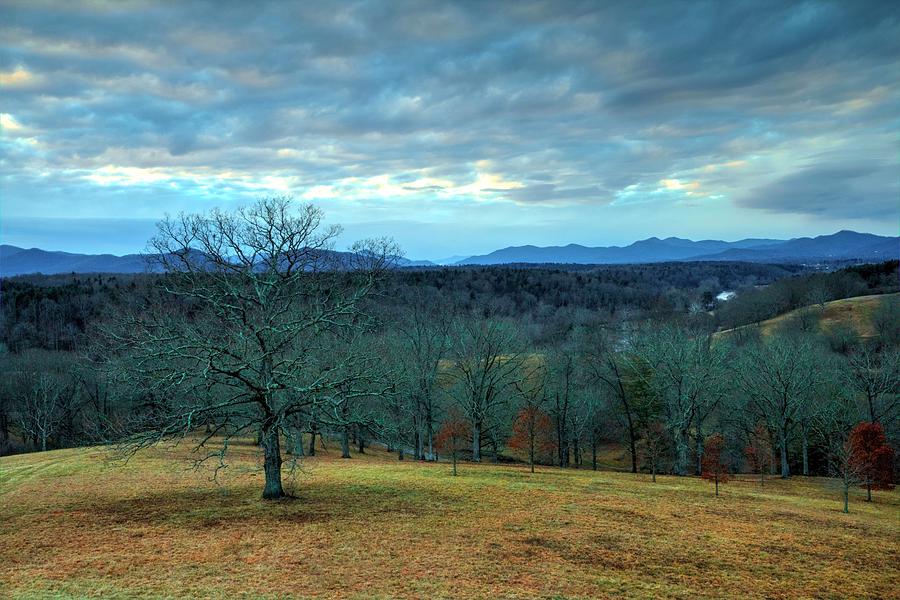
point(533, 433)
point(714, 466)
point(656, 441)
point(872, 457)
point(759, 452)
point(845, 469)
point(453, 436)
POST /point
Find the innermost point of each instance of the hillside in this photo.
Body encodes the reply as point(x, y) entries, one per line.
point(856, 313)
point(75, 525)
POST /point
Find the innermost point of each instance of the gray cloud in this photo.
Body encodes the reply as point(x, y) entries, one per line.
point(175, 105)
point(843, 189)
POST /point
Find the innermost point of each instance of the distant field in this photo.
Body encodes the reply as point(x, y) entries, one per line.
point(854, 312)
point(73, 526)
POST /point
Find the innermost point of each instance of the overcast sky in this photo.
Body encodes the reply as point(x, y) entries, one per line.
point(456, 128)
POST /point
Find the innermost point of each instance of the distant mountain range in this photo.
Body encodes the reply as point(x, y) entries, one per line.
point(19, 261)
point(843, 245)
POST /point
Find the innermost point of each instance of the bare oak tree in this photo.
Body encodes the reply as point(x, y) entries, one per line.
point(257, 321)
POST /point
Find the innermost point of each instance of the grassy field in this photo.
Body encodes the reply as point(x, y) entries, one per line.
point(74, 525)
point(855, 313)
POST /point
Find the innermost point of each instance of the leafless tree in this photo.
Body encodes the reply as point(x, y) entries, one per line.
point(779, 377)
point(257, 320)
point(686, 371)
point(486, 359)
point(44, 393)
point(604, 366)
point(874, 373)
point(423, 339)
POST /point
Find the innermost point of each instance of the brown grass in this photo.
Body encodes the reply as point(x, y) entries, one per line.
point(856, 313)
point(72, 525)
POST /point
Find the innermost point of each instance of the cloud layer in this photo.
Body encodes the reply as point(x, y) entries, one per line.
point(567, 119)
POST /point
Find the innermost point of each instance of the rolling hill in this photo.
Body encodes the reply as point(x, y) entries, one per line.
point(855, 313)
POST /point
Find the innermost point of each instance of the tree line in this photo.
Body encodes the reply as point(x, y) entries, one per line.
point(258, 329)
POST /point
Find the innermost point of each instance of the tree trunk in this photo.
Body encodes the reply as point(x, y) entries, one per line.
point(846, 498)
point(594, 454)
point(717, 485)
point(681, 453)
point(699, 452)
point(419, 448)
point(868, 491)
point(454, 463)
point(312, 439)
point(632, 442)
point(400, 452)
point(430, 432)
point(805, 454)
point(345, 443)
point(531, 453)
point(271, 447)
point(476, 442)
point(785, 467)
point(362, 442)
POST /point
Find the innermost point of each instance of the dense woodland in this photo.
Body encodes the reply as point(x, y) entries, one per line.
point(545, 364)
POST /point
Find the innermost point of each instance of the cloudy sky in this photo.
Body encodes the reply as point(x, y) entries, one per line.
point(456, 128)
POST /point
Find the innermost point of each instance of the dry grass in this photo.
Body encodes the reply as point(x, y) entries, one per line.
point(72, 525)
point(856, 313)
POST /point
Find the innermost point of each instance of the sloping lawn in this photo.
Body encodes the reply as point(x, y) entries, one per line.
point(74, 525)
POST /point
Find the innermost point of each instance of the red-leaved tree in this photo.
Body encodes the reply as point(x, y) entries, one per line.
point(453, 436)
point(532, 432)
point(714, 466)
point(872, 457)
point(759, 452)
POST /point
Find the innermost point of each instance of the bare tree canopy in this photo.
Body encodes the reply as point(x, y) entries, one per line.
point(258, 322)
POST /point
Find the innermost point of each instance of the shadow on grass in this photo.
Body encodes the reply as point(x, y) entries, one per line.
point(317, 502)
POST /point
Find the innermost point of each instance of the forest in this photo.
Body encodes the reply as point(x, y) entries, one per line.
point(256, 330)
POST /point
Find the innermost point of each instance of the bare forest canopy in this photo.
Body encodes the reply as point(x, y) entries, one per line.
point(55, 312)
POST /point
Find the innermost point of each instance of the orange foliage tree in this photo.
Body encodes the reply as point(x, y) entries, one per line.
point(759, 452)
point(871, 457)
point(714, 466)
point(532, 432)
point(453, 436)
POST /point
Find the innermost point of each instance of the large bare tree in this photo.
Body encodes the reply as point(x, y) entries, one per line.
point(257, 322)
